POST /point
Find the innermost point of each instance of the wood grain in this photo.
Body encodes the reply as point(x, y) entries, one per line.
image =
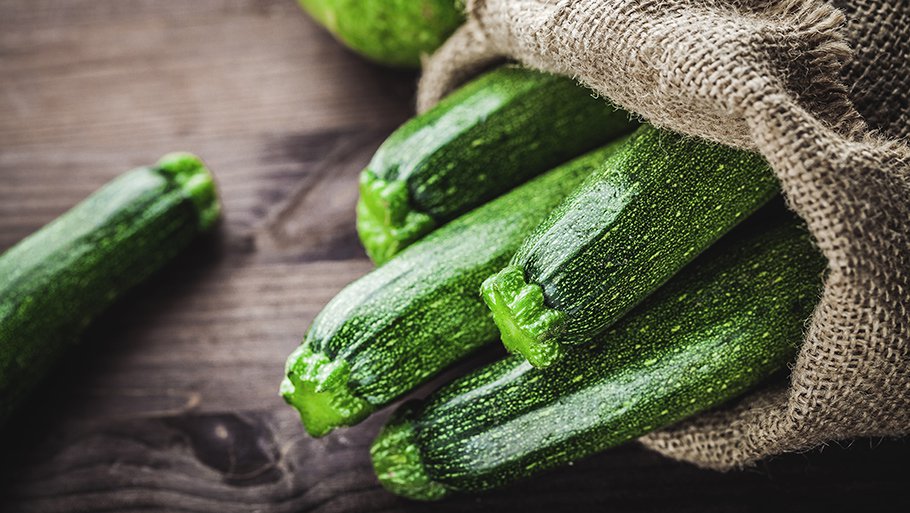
point(170, 402)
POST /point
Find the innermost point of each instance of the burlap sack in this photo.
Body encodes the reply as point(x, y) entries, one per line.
point(823, 92)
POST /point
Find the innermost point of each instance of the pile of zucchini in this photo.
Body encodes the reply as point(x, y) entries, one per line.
point(523, 209)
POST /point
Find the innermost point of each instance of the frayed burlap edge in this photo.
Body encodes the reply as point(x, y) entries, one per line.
point(759, 75)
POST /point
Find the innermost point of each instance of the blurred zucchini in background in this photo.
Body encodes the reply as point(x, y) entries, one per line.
point(55, 281)
point(717, 329)
point(660, 200)
point(392, 329)
point(494, 133)
point(390, 32)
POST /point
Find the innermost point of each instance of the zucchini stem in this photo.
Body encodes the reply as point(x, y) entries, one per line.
point(196, 181)
point(318, 388)
point(526, 324)
point(386, 222)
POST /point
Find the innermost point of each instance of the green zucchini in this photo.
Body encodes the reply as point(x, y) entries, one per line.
point(496, 132)
point(390, 32)
point(55, 281)
point(658, 202)
point(394, 328)
point(716, 330)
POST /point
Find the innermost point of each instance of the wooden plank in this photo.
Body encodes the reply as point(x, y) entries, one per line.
point(82, 102)
point(256, 461)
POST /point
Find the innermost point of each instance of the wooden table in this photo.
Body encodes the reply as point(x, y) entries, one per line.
point(171, 403)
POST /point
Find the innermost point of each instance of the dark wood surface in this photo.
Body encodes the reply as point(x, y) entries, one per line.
point(170, 404)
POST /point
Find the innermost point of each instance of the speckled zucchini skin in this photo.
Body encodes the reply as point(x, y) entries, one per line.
point(54, 282)
point(717, 329)
point(392, 329)
point(391, 32)
point(659, 201)
point(494, 133)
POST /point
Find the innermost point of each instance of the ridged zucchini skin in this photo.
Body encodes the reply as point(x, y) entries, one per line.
point(657, 203)
point(714, 331)
point(494, 133)
point(55, 281)
point(391, 32)
point(397, 326)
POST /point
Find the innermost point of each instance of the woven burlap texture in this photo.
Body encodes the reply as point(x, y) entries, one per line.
point(823, 92)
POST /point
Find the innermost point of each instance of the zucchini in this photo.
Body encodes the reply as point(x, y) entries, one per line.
point(390, 32)
point(710, 334)
point(496, 132)
point(55, 281)
point(657, 203)
point(392, 329)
